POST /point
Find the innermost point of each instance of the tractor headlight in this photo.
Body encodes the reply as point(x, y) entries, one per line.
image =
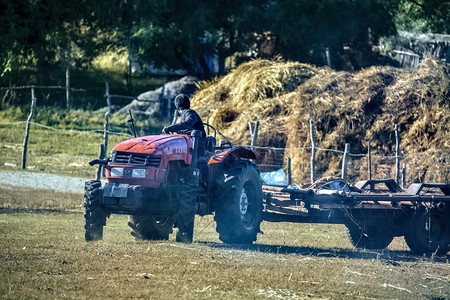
point(139, 173)
point(116, 172)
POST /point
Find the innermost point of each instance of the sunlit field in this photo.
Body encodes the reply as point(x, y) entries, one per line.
point(44, 256)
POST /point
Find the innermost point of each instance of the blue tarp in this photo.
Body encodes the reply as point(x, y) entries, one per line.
point(277, 177)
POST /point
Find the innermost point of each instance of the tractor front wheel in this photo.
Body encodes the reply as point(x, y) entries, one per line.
point(94, 215)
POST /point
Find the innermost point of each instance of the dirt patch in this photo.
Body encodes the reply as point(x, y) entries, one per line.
point(22, 179)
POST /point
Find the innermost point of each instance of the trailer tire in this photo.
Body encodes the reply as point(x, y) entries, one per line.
point(239, 209)
point(421, 240)
point(94, 215)
point(368, 237)
point(144, 227)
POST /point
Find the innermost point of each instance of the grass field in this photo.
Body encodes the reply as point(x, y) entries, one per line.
point(44, 256)
point(68, 144)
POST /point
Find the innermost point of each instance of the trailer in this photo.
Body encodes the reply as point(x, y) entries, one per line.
point(373, 211)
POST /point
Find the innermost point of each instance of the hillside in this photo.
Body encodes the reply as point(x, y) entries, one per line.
point(346, 107)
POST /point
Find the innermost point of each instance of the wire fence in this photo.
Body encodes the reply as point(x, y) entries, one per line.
point(415, 167)
point(272, 159)
point(295, 162)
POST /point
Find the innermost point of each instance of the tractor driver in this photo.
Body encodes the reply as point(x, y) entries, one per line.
point(189, 121)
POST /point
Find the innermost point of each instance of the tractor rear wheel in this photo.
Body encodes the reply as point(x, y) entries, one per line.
point(144, 227)
point(239, 210)
point(429, 232)
point(94, 215)
point(368, 237)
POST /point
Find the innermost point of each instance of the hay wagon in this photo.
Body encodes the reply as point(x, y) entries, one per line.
point(373, 211)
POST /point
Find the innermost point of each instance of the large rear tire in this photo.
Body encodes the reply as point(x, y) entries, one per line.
point(239, 210)
point(368, 237)
point(429, 232)
point(94, 215)
point(144, 227)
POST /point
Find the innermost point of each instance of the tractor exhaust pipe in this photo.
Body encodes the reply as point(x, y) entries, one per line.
point(196, 135)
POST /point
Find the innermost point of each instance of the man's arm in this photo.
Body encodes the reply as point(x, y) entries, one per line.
point(177, 128)
point(187, 121)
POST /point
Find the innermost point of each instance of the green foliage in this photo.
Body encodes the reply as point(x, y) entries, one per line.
point(186, 34)
point(431, 16)
point(305, 29)
point(44, 35)
point(40, 38)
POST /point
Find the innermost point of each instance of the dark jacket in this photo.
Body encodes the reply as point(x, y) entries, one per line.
point(189, 120)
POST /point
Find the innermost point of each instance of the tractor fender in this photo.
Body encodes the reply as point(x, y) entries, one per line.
point(234, 153)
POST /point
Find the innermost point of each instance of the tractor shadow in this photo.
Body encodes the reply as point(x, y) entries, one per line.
point(391, 257)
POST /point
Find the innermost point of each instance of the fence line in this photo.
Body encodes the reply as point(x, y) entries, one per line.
point(248, 146)
point(274, 159)
point(68, 130)
point(40, 87)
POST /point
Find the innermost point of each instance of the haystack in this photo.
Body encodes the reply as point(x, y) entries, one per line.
point(346, 107)
point(254, 91)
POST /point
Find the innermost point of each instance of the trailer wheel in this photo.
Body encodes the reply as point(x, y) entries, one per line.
point(368, 237)
point(94, 215)
point(144, 227)
point(429, 232)
point(239, 210)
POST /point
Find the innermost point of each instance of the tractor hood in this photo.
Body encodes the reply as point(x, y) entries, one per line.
point(161, 145)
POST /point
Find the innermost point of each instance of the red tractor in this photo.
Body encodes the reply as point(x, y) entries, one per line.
point(160, 182)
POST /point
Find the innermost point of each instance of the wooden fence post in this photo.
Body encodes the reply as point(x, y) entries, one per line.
point(397, 154)
point(161, 97)
point(168, 104)
point(403, 176)
point(27, 130)
point(345, 161)
point(67, 85)
point(369, 154)
point(108, 112)
point(289, 170)
point(254, 132)
point(313, 151)
point(100, 166)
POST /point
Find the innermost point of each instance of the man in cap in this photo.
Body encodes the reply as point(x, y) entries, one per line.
point(189, 120)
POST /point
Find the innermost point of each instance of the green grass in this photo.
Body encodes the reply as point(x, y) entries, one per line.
point(44, 255)
point(68, 149)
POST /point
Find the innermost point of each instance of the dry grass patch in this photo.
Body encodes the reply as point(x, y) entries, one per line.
point(44, 255)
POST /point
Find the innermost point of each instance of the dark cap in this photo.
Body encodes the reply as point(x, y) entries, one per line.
point(182, 102)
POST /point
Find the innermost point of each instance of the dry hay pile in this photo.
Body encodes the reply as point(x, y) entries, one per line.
point(346, 107)
point(254, 91)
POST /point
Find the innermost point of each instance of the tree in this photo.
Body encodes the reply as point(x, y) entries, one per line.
point(187, 34)
point(427, 16)
point(305, 29)
point(41, 35)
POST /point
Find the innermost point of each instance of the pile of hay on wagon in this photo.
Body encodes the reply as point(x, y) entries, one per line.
point(346, 107)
